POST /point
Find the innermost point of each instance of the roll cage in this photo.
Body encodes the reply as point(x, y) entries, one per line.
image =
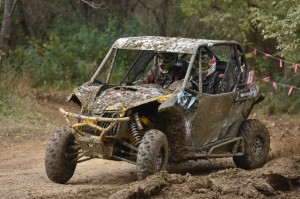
point(235, 64)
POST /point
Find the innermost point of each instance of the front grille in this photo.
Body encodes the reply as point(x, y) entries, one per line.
point(114, 130)
point(93, 131)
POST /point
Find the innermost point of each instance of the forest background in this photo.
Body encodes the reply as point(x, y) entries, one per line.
point(53, 46)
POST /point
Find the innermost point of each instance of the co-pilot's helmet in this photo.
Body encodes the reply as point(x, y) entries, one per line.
point(208, 63)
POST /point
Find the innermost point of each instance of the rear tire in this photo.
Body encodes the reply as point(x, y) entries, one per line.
point(153, 154)
point(256, 143)
point(60, 156)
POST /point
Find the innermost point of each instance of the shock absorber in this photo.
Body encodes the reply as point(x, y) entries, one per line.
point(135, 134)
point(135, 126)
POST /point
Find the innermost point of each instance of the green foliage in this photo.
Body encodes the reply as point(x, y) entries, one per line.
point(241, 20)
point(70, 55)
point(280, 20)
point(66, 42)
point(221, 19)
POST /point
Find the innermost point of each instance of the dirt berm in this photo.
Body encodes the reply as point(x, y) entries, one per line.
point(280, 177)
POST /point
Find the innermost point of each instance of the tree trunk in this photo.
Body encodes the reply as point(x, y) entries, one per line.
point(5, 29)
point(23, 20)
point(163, 25)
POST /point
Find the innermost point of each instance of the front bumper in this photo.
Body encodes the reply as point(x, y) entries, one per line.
point(93, 145)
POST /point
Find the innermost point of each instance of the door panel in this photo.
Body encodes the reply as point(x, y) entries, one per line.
point(210, 117)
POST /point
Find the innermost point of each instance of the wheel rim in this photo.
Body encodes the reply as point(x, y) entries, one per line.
point(257, 146)
point(160, 159)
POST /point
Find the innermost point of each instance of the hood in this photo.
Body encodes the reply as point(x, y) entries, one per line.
point(122, 98)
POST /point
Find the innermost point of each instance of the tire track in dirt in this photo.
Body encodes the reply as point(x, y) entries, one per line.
point(22, 174)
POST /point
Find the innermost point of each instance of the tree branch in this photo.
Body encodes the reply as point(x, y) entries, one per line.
point(94, 5)
point(13, 8)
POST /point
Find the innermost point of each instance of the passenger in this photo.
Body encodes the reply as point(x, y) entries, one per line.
point(169, 69)
point(211, 78)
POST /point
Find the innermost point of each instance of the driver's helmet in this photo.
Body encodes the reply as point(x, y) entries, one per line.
point(166, 61)
point(208, 63)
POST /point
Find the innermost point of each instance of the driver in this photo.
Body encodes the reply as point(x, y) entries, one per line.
point(169, 69)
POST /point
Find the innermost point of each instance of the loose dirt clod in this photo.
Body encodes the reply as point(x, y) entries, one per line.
point(234, 182)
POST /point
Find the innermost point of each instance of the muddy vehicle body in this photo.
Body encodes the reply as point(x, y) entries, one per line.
point(147, 124)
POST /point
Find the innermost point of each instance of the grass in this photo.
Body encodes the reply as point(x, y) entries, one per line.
point(15, 102)
point(21, 115)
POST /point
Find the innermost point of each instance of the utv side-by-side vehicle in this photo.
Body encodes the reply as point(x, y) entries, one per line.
point(125, 118)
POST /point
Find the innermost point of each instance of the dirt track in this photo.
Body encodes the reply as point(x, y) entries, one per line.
point(22, 172)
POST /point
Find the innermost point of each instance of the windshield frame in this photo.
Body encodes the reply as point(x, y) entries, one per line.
point(112, 65)
point(187, 75)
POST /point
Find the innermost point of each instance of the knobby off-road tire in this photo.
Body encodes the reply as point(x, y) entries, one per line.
point(256, 143)
point(60, 156)
point(153, 153)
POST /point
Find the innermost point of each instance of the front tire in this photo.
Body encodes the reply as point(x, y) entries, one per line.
point(256, 144)
point(153, 154)
point(60, 156)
